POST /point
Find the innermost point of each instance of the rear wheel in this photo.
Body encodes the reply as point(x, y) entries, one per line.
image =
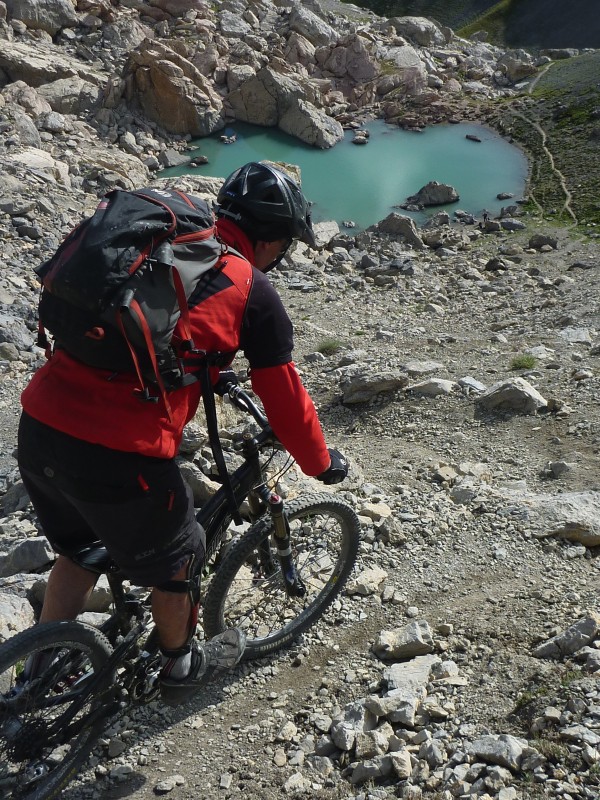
point(48, 719)
point(248, 590)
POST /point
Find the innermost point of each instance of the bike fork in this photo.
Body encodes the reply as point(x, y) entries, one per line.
point(294, 585)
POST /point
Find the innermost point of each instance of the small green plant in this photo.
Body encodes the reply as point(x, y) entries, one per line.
point(553, 751)
point(529, 695)
point(595, 770)
point(569, 676)
point(388, 67)
point(523, 361)
point(329, 347)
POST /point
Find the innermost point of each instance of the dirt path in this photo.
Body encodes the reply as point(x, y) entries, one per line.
point(544, 139)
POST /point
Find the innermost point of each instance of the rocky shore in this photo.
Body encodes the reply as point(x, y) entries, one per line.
point(458, 366)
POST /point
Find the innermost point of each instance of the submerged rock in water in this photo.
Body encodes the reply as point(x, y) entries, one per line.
point(434, 194)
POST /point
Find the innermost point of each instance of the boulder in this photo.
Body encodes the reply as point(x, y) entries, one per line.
point(398, 705)
point(233, 26)
point(515, 394)
point(568, 642)
point(36, 160)
point(299, 50)
point(264, 97)
point(539, 240)
point(401, 225)
point(368, 582)
point(406, 72)
point(44, 15)
point(125, 170)
point(445, 236)
point(125, 34)
point(27, 556)
point(41, 64)
point(177, 8)
point(420, 30)
point(416, 672)
point(505, 750)
point(414, 639)
point(29, 135)
point(311, 125)
point(171, 91)
point(572, 515)
point(325, 232)
point(364, 385)
point(27, 97)
point(349, 59)
point(16, 614)
point(434, 194)
point(557, 53)
point(270, 98)
point(516, 65)
point(71, 95)
point(312, 27)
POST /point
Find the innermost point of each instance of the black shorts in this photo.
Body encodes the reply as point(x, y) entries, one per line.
point(139, 507)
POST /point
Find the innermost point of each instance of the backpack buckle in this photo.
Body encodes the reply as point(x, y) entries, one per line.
point(145, 396)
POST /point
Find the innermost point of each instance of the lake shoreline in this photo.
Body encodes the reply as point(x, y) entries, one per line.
point(365, 183)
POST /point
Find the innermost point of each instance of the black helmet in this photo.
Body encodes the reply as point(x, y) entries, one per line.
point(266, 203)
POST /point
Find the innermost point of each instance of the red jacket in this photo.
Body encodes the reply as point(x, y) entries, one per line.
point(243, 311)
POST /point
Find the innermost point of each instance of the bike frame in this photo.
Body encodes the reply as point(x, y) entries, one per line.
point(247, 481)
point(216, 515)
point(131, 618)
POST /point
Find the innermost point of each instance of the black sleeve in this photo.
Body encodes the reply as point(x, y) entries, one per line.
point(267, 336)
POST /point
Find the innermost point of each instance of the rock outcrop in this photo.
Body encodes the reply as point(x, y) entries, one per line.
point(170, 91)
point(434, 194)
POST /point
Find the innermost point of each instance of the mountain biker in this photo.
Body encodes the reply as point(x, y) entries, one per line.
point(99, 464)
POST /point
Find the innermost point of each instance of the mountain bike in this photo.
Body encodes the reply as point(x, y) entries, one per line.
point(61, 682)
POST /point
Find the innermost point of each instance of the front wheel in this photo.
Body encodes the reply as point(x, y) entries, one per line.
point(49, 719)
point(248, 590)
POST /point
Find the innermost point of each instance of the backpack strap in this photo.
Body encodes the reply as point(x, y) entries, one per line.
point(130, 305)
point(187, 343)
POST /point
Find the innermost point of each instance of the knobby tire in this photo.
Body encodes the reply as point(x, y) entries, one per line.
point(29, 711)
point(247, 590)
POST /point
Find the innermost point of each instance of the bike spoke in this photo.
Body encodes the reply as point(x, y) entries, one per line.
point(41, 715)
point(259, 603)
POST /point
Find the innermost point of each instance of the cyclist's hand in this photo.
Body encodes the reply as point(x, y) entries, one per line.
point(226, 376)
point(337, 470)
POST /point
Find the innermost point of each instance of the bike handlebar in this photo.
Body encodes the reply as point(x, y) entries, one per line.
point(244, 402)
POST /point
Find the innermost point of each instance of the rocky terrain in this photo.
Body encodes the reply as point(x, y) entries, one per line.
point(457, 365)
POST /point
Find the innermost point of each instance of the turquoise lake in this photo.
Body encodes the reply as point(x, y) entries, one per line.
point(363, 183)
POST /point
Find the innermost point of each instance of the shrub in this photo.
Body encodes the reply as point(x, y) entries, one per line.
point(523, 361)
point(329, 347)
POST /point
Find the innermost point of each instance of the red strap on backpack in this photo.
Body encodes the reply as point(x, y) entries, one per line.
point(136, 308)
point(187, 342)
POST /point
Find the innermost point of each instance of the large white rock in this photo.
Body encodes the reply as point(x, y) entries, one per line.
point(422, 31)
point(42, 64)
point(45, 15)
point(71, 95)
point(35, 160)
point(16, 614)
point(312, 27)
point(406, 71)
point(515, 394)
point(270, 98)
point(311, 125)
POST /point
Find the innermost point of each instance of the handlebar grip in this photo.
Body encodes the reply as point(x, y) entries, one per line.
point(242, 400)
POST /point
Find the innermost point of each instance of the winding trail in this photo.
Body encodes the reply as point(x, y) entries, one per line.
point(561, 178)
